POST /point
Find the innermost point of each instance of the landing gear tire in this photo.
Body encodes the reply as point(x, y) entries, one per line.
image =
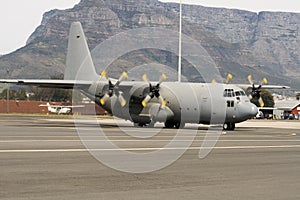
point(229, 126)
point(169, 124)
point(179, 125)
point(139, 124)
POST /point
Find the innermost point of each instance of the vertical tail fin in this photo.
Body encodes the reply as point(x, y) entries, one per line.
point(48, 106)
point(79, 64)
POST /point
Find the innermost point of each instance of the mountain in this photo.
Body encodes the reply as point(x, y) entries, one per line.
point(240, 42)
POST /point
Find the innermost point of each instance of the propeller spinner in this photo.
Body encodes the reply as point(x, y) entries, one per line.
point(112, 89)
point(256, 90)
point(154, 91)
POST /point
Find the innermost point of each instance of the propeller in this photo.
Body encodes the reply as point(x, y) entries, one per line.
point(154, 91)
point(112, 89)
point(228, 80)
point(255, 93)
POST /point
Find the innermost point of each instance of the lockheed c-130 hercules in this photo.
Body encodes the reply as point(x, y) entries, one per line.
point(145, 102)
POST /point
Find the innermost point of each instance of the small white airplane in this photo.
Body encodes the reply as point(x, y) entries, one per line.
point(59, 109)
point(145, 102)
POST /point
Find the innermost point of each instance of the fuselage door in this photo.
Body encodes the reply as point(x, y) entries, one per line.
point(231, 103)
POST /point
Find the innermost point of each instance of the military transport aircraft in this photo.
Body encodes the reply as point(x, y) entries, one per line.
point(145, 102)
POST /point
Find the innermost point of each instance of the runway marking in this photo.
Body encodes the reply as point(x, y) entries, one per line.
point(140, 140)
point(157, 136)
point(144, 149)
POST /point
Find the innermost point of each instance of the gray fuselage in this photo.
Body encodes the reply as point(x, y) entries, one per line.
point(185, 102)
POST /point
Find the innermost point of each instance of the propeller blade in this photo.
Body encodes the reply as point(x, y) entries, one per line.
point(122, 100)
point(154, 91)
point(250, 96)
point(264, 81)
point(112, 89)
point(145, 78)
point(122, 78)
point(104, 99)
point(214, 81)
point(162, 102)
point(261, 102)
point(146, 100)
point(229, 78)
point(162, 79)
point(250, 79)
point(104, 74)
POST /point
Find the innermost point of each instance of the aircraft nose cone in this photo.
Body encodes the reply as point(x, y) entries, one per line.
point(254, 110)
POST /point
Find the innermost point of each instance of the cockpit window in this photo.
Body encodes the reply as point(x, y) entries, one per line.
point(240, 93)
point(229, 93)
point(237, 93)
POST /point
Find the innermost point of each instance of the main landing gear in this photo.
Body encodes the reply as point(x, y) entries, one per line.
point(177, 125)
point(168, 124)
point(229, 126)
point(151, 125)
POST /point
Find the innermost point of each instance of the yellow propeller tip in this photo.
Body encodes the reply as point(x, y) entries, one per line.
point(262, 105)
point(102, 102)
point(230, 76)
point(265, 81)
point(125, 74)
point(144, 104)
point(164, 104)
point(213, 81)
point(123, 104)
point(144, 77)
point(103, 73)
point(164, 76)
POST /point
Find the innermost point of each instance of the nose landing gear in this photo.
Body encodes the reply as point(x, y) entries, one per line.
point(229, 126)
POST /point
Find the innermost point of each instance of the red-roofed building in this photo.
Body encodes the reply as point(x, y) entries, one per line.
point(33, 107)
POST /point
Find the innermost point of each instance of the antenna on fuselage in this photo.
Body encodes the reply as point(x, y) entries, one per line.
point(180, 40)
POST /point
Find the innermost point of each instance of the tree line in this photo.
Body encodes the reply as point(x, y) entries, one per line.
point(37, 94)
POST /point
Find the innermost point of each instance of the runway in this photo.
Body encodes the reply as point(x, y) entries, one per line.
point(45, 158)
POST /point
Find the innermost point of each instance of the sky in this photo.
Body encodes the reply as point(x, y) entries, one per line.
point(19, 18)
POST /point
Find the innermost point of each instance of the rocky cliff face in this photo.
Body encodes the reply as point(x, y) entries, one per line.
point(269, 40)
point(240, 42)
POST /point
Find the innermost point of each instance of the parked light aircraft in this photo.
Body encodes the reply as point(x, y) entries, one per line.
point(145, 102)
point(59, 109)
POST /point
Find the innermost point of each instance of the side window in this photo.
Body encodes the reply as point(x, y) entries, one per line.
point(230, 104)
point(232, 93)
point(225, 93)
point(228, 93)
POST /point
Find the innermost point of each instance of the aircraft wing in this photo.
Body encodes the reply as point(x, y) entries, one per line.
point(275, 87)
point(72, 106)
point(52, 106)
point(63, 84)
point(61, 106)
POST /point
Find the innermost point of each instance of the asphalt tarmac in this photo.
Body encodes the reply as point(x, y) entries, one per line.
point(45, 158)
